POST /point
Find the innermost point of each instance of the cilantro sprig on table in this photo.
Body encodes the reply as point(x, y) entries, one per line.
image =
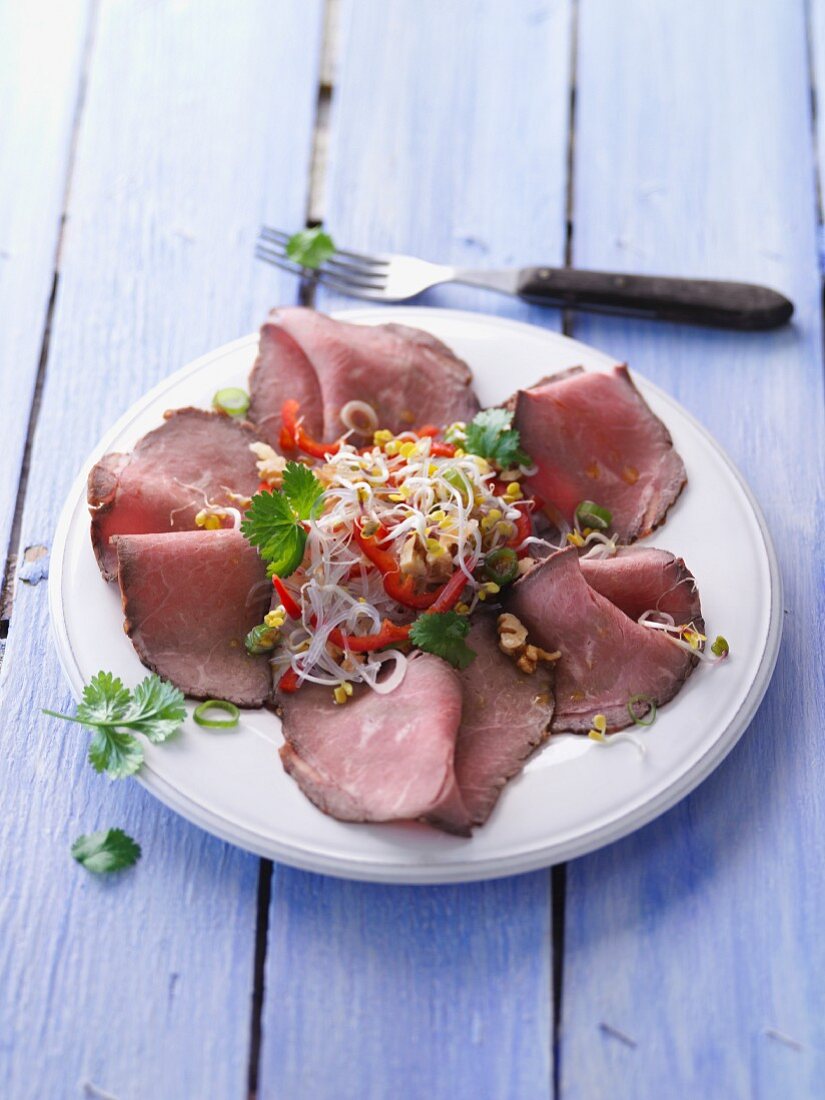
point(443, 633)
point(106, 851)
point(310, 247)
point(115, 714)
point(491, 435)
point(274, 521)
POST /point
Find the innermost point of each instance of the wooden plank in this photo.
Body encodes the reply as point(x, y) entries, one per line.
point(699, 939)
point(197, 127)
point(448, 140)
point(36, 126)
point(816, 43)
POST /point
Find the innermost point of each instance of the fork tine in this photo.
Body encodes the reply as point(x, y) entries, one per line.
point(277, 260)
point(279, 236)
point(355, 289)
point(342, 272)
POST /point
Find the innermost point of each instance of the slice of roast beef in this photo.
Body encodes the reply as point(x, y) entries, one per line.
point(408, 376)
point(505, 717)
point(607, 657)
point(190, 598)
point(193, 456)
point(644, 578)
point(380, 757)
point(593, 437)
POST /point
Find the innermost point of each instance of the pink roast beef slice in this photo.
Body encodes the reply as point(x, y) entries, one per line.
point(283, 372)
point(606, 656)
point(505, 717)
point(163, 484)
point(190, 598)
point(409, 377)
point(593, 437)
point(380, 757)
point(643, 578)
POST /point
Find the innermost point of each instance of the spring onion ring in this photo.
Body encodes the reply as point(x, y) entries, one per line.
point(233, 400)
point(200, 714)
point(650, 714)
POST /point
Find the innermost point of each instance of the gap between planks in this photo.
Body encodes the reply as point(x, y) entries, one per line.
point(316, 203)
point(9, 577)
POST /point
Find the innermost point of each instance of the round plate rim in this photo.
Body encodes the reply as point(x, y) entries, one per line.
point(468, 871)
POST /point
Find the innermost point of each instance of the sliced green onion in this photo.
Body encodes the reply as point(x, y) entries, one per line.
point(590, 514)
point(720, 647)
point(501, 565)
point(649, 716)
point(201, 712)
point(261, 639)
point(232, 400)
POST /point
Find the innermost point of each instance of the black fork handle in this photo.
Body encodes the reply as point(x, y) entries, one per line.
point(694, 301)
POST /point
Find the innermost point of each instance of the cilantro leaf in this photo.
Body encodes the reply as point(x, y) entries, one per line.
point(491, 436)
point(158, 709)
point(443, 634)
point(108, 850)
point(310, 247)
point(302, 489)
point(117, 754)
point(114, 715)
point(270, 524)
point(104, 699)
point(273, 520)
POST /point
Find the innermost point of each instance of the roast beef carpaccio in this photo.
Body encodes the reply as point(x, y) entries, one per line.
point(443, 744)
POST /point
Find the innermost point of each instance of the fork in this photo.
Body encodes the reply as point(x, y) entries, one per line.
point(384, 277)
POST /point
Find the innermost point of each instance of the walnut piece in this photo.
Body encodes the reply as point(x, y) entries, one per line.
point(512, 641)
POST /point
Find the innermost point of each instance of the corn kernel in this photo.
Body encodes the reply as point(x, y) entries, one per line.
point(208, 520)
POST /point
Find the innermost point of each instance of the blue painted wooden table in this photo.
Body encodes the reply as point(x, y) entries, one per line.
point(141, 145)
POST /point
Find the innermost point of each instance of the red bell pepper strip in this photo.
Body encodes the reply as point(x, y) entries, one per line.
point(398, 587)
point(442, 450)
point(295, 431)
point(427, 429)
point(365, 643)
point(290, 606)
point(449, 593)
point(289, 681)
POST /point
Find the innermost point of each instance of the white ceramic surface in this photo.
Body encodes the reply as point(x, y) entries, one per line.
point(572, 797)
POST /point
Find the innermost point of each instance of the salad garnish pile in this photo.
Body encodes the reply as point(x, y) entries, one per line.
point(377, 548)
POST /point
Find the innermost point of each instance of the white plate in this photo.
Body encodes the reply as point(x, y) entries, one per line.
point(572, 797)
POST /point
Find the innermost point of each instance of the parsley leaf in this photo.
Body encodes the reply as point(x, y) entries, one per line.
point(443, 634)
point(310, 247)
point(273, 520)
point(302, 489)
point(491, 436)
point(108, 850)
point(114, 714)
